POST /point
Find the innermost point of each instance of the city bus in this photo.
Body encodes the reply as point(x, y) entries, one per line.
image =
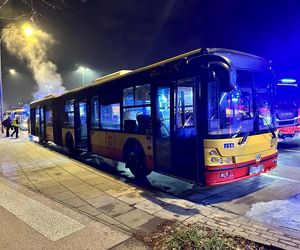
point(287, 110)
point(205, 116)
point(22, 113)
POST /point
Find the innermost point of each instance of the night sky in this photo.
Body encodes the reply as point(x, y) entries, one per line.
point(110, 35)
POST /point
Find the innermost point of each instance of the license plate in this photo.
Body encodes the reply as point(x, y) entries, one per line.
point(256, 169)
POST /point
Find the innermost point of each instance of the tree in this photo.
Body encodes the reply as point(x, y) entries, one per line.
point(35, 10)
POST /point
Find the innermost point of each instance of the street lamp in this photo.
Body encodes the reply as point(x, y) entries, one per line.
point(12, 71)
point(28, 31)
point(83, 70)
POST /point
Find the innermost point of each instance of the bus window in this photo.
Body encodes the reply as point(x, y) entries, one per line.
point(110, 116)
point(231, 113)
point(95, 112)
point(142, 94)
point(69, 114)
point(37, 121)
point(262, 84)
point(163, 111)
point(128, 99)
point(137, 110)
point(184, 107)
point(49, 117)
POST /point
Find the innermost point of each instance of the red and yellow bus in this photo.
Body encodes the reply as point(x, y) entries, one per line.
point(205, 116)
point(287, 109)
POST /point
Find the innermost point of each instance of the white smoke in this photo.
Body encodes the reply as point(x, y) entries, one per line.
point(33, 49)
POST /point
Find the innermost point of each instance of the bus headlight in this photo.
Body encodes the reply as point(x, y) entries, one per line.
point(227, 160)
point(213, 152)
point(220, 160)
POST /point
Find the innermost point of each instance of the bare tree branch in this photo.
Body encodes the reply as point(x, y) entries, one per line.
point(5, 2)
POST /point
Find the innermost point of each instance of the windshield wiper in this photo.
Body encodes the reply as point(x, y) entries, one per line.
point(245, 137)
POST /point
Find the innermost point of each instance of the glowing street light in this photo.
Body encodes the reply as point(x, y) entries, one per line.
point(12, 71)
point(83, 71)
point(28, 31)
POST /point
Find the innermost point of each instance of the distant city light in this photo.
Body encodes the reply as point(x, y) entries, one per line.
point(12, 71)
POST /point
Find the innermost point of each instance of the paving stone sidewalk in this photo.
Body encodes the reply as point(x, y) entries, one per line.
point(116, 203)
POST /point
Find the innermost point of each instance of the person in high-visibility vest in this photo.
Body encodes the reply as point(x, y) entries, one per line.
point(15, 125)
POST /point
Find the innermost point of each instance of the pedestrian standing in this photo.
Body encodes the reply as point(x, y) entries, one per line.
point(7, 124)
point(15, 125)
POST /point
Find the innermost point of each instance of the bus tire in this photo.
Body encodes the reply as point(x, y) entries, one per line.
point(70, 144)
point(135, 160)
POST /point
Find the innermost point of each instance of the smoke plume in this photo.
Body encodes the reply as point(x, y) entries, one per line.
point(33, 49)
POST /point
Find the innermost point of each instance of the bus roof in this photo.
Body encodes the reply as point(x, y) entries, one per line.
point(231, 55)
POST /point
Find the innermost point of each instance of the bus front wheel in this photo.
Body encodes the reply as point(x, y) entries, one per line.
point(136, 162)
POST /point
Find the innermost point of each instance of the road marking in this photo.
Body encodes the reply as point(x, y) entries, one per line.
point(52, 224)
point(281, 178)
point(292, 150)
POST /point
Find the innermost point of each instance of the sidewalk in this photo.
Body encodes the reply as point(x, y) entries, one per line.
point(111, 201)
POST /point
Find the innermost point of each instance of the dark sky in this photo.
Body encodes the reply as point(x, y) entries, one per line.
point(110, 35)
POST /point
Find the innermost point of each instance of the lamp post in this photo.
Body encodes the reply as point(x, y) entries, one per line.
point(83, 70)
point(1, 88)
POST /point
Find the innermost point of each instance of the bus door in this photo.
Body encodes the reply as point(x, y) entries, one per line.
point(42, 123)
point(174, 129)
point(81, 126)
point(184, 136)
point(162, 128)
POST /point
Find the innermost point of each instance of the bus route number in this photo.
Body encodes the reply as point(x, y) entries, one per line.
point(228, 145)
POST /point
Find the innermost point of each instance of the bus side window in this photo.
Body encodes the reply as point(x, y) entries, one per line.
point(95, 112)
point(49, 118)
point(136, 109)
point(184, 104)
point(69, 114)
point(110, 116)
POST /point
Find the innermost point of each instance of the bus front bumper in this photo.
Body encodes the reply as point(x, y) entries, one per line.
point(225, 174)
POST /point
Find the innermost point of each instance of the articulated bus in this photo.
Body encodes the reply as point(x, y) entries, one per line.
point(205, 116)
point(287, 109)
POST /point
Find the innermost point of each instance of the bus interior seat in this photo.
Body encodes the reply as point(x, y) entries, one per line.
point(143, 122)
point(130, 125)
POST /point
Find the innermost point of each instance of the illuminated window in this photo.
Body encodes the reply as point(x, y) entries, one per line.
point(69, 114)
point(110, 116)
point(49, 114)
point(184, 107)
point(138, 95)
point(128, 99)
point(95, 112)
point(142, 94)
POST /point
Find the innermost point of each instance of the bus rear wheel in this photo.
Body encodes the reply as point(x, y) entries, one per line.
point(136, 162)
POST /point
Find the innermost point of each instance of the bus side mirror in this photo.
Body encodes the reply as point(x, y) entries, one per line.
point(225, 74)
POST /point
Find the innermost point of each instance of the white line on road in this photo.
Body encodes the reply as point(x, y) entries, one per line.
point(292, 150)
point(280, 178)
point(45, 220)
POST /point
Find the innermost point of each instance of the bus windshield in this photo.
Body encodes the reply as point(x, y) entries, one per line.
point(244, 109)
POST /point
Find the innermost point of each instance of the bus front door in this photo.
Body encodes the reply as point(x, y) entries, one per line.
point(81, 126)
point(162, 125)
point(174, 130)
point(42, 123)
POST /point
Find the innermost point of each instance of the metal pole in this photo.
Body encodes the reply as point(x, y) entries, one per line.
point(83, 76)
point(1, 88)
